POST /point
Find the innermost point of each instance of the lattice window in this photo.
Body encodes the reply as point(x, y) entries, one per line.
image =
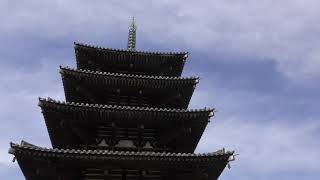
point(121, 174)
point(111, 137)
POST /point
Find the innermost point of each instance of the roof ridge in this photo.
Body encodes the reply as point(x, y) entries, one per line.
point(124, 153)
point(101, 73)
point(126, 50)
point(107, 106)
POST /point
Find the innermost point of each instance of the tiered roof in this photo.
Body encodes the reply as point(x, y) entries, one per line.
point(125, 117)
point(178, 130)
point(104, 88)
point(209, 165)
point(128, 61)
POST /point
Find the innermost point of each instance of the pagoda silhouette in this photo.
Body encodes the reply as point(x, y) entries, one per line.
point(125, 118)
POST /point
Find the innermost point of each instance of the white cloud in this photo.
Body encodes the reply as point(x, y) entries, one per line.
point(284, 31)
point(20, 117)
point(6, 159)
point(269, 142)
point(266, 147)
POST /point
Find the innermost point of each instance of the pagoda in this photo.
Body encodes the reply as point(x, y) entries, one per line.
point(125, 118)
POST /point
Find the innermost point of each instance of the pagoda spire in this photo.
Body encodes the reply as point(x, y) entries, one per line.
point(132, 36)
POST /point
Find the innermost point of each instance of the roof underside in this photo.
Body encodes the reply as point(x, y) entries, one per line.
point(41, 163)
point(123, 89)
point(125, 117)
point(79, 125)
point(126, 61)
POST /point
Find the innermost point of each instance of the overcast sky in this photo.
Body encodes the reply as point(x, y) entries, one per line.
point(258, 61)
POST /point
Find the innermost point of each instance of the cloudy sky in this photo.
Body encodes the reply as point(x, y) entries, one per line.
point(259, 63)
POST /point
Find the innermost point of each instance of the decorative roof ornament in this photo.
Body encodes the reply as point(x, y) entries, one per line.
point(132, 36)
point(146, 92)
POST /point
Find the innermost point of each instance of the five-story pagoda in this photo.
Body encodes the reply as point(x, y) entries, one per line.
point(125, 118)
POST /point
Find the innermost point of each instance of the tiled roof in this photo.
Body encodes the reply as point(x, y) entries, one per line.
point(29, 149)
point(100, 73)
point(128, 80)
point(185, 54)
point(72, 105)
